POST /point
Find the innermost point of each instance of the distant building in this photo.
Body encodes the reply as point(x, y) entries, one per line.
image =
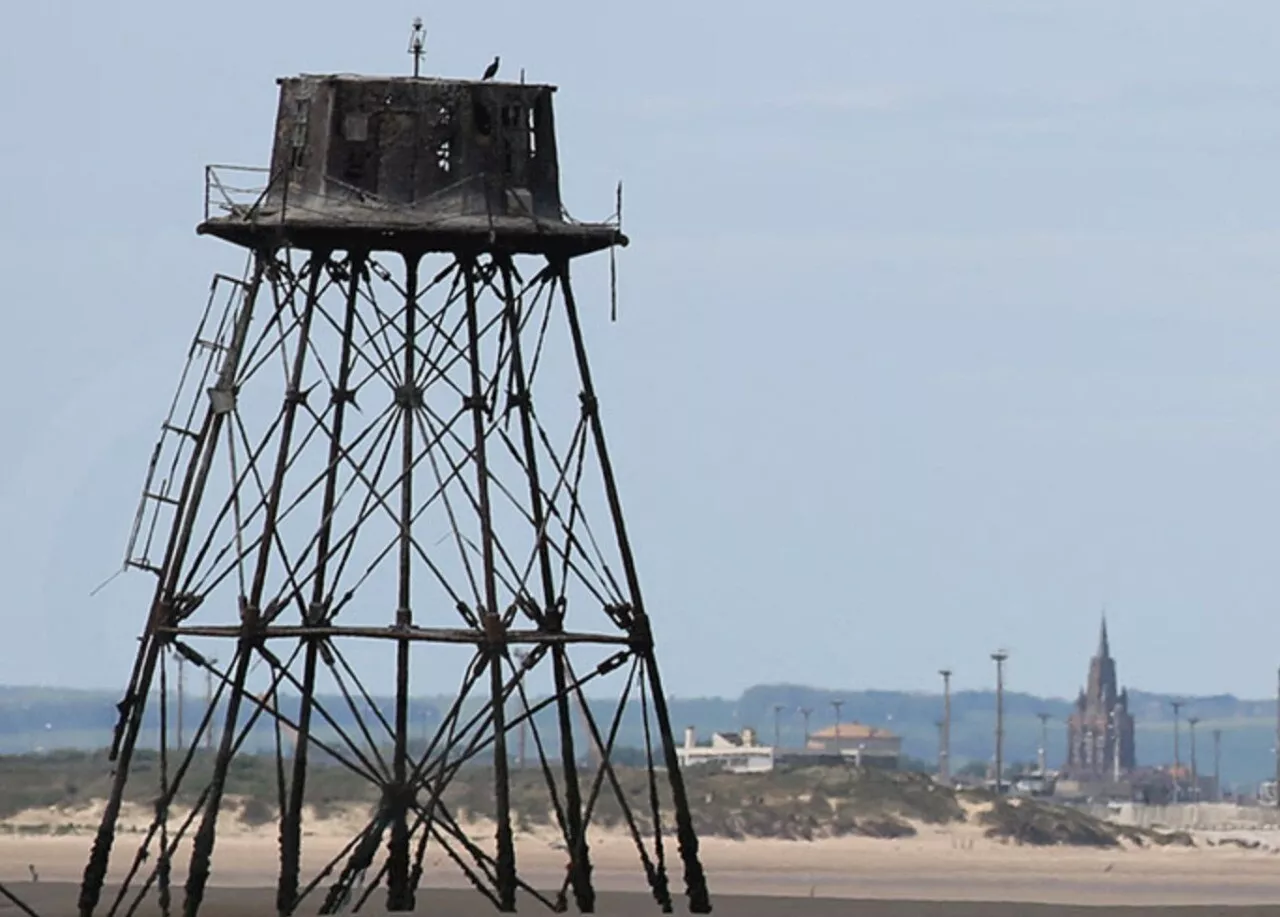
point(868, 746)
point(741, 753)
point(1100, 729)
point(737, 752)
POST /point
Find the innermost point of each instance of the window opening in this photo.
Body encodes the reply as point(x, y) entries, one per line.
point(298, 142)
point(482, 119)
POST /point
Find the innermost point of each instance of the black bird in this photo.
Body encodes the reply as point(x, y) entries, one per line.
point(492, 70)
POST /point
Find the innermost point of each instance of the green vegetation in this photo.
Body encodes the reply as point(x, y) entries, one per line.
point(798, 804)
point(1028, 821)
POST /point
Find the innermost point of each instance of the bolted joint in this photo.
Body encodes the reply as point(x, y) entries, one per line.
point(342, 395)
point(397, 797)
point(294, 397)
point(553, 619)
point(474, 402)
point(222, 400)
point(519, 400)
point(495, 633)
point(167, 613)
point(251, 621)
point(404, 618)
point(590, 404)
point(408, 396)
point(640, 633)
point(318, 614)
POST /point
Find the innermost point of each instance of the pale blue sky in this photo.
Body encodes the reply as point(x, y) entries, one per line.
point(944, 324)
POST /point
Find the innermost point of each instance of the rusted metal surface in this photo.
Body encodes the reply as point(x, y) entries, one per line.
point(368, 451)
point(425, 164)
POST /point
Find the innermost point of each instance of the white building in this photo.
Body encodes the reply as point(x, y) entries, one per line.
point(736, 752)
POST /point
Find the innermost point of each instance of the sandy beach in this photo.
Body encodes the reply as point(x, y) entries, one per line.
point(954, 864)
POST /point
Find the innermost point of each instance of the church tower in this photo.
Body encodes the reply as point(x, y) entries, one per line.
point(1100, 729)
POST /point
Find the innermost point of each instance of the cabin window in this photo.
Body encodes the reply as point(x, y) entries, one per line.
point(533, 133)
point(298, 140)
point(482, 119)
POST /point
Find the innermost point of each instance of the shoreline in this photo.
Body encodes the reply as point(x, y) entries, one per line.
point(929, 867)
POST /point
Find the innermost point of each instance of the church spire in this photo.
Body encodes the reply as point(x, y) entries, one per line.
point(1104, 647)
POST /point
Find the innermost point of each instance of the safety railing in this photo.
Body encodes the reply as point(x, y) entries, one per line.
point(235, 190)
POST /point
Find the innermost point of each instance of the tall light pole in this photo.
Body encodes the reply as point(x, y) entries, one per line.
point(777, 725)
point(1217, 765)
point(999, 656)
point(944, 747)
point(1044, 743)
point(1278, 740)
point(1195, 773)
point(836, 705)
point(805, 713)
point(1177, 705)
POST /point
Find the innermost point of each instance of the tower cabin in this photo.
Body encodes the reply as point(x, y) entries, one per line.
point(423, 164)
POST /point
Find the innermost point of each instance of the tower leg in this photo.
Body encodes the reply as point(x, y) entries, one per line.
point(491, 616)
point(251, 609)
point(399, 887)
point(695, 877)
point(134, 704)
point(340, 396)
point(522, 397)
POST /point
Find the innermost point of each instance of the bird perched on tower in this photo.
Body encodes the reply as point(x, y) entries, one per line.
point(492, 70)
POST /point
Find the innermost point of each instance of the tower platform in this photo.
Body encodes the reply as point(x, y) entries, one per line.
point(405, 163)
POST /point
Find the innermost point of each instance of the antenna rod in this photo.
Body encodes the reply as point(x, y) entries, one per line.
point(417, 45)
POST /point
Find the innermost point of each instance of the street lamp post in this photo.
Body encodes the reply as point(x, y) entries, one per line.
point(944, 747)
point(777, 725)
point(1177, 705)
point(1217, 765)
point(836, 705)
point(805, 713)
point(1043, 756)
point(999, 656)
point(1195, 771)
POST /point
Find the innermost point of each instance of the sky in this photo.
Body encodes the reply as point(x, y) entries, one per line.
point(944, 326)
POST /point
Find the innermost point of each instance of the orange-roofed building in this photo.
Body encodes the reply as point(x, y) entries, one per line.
point(869, 745)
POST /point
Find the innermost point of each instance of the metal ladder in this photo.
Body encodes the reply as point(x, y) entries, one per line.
point(181, 431)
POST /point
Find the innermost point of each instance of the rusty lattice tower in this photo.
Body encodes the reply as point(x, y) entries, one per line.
point(385, 458)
